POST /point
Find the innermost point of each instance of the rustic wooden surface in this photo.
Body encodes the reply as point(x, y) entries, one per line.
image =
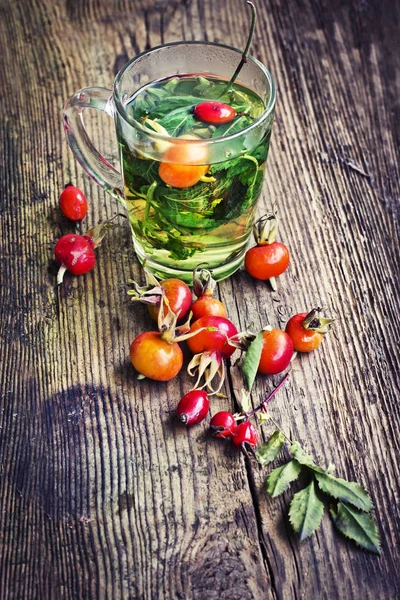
point(102, 495)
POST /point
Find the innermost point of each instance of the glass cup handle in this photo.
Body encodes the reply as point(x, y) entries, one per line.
point(97, 167)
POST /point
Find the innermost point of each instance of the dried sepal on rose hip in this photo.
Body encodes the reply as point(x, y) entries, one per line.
point(269, 258)
point(176, 292)
point(157, 354)
point(205, 305)
point(208, 365)
point(210, 348)
point(307, 330)
point(75, 253)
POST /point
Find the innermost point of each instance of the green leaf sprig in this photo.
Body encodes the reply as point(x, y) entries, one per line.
point(350, 504)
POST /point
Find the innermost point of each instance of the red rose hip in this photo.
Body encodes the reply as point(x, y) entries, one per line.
point(215, 113)
point(245, 434)
point(223, 424)
point(193, 407)
point(73, 203)
point(277, 351)
point(216, 335)
point(74, 253)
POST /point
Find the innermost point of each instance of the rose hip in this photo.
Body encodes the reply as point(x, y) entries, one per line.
point(223, 424)
point(74, 253)
point(215, 113)
point(73, 203)
point(205, 305)
point(245, 434)
point(193, 407)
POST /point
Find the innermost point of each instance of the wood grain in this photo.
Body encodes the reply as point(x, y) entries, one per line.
point(102, 494)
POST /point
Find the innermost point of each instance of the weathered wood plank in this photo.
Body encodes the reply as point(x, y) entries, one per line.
point(102, 494)
point(344, 240)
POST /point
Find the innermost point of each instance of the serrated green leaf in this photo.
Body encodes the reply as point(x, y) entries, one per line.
point(252, 360)
point(307, 460)
point(270, 450)
point(348, 491)
point(306, 511)
point(341, 489)
point(302, 457)
point(358, 526)
point(279, 479)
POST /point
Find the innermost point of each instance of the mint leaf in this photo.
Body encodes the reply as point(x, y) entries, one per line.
point(238, 124)
point(178, 121)
point(279, 479)
point(270, 450)
point(347, 491)
point(252, 360)
point(171, 85)
point(227, 164)
point(203, 86)
point(306, 511)
point(357, 526)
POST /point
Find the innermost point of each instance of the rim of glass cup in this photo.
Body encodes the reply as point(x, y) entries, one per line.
point(159, 136)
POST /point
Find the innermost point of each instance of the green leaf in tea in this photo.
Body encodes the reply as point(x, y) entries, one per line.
point(252, 360)
point(347, 491)
point(356, 525)
point(203, 87)
point(306, 512)
point(238, 124)
point(266, 453)
point(279, 479)
point(178, 122)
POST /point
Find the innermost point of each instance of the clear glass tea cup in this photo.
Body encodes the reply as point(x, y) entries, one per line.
point(207, 217)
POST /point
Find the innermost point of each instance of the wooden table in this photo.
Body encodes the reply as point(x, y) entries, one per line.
point(103, 494)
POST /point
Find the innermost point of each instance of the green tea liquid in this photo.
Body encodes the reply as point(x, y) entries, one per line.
point(176, 228)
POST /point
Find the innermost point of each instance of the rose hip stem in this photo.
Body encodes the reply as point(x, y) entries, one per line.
point(245, 51)
point(268, 398)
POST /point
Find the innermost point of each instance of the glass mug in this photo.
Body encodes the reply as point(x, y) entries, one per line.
point(207, 219)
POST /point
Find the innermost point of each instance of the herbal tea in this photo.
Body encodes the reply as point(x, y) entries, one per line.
point(190, 206)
